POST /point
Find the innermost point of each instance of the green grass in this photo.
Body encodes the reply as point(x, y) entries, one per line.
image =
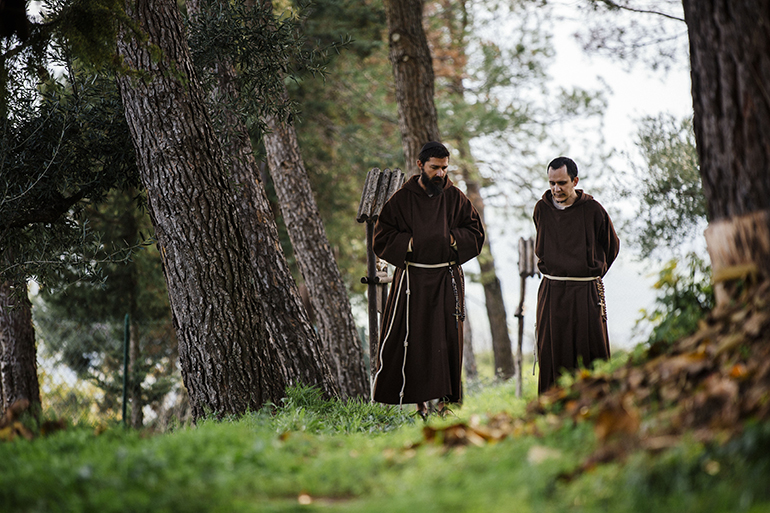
point(359, 457)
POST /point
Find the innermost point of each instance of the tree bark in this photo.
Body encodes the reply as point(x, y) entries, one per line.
point(228, 363)
point(413, 74)
point(730, 63)
point(18, 360)
point(327, 291)
point(288, 323)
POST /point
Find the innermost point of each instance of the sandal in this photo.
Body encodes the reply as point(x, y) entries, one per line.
point(422, 410)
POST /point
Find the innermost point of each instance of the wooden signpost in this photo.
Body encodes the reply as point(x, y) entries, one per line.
point(527, 268)
point(379, 187)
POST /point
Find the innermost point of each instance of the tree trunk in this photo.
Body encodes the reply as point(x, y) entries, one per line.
point(469, 358)
point(135, 379)
point(18, 360)
point(413, 74)
point(288, 324)
point(730, 62)
point(228, 363)
point(328, 294)
point(130, 231)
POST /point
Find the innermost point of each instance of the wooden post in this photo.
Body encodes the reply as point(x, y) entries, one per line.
point(527, 268)
point(371, 281)
point(379, 187)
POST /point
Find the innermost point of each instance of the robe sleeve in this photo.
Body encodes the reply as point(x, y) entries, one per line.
point(609, 240)
point(539, 246)
point(469, 233)
point(391, 237)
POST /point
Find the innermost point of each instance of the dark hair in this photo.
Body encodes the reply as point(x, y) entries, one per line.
point(560, 162)
point(432, 149)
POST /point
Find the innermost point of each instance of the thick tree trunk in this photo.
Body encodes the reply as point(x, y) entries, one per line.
point(288, 324)
point(328, 294)
point(730, 62)
point(413, 74)
point(18, 360)
point(228, 363)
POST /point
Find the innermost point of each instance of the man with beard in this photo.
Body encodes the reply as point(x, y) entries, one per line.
point(427, 229)
point(575, 246)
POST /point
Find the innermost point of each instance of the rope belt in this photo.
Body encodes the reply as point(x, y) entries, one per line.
point(571, 278)
point(459, 316)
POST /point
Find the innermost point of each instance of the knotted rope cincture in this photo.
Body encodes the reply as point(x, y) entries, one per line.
point(405, 277)
point(459, 306)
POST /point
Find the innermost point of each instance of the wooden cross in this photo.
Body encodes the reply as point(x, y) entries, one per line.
point(527, 268)
point(379, 187)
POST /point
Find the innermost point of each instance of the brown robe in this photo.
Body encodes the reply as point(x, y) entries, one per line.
point(434, 352)
point(578, 241)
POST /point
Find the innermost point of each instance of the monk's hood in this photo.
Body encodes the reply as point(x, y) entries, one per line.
point(583, 197)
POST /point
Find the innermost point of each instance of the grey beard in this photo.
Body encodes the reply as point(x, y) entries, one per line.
point(433, 187)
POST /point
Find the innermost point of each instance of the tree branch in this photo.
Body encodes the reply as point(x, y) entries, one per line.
point(48, 214)
point(614, 5)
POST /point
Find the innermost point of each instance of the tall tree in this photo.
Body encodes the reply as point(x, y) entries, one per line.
point(56, 152)
point(327, 291)
point(328, 294)
point(340, 145)
point(414, 79)
point(229, 364)
point(288, 323)
point(18, 362)
point(730, 66)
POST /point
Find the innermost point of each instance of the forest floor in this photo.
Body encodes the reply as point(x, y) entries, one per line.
point(680, 428)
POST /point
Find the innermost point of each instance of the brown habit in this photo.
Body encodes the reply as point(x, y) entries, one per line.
point(434, 350)
point(578, 241)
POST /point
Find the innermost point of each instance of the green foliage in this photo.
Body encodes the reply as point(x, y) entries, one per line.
point(683, 300)
point(62, 148)
point(348, 123)
point(88, 28)
point(304, 409)
point(672, 207)
point(263, 48)
point(255, 464)
point(82, 325)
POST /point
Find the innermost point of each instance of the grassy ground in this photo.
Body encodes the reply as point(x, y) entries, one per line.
point(315, 455)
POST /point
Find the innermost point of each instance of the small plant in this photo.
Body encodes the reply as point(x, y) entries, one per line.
point(683, 300)
point(304, 409)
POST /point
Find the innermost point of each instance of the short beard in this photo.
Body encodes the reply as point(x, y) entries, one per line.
point(434, 186)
